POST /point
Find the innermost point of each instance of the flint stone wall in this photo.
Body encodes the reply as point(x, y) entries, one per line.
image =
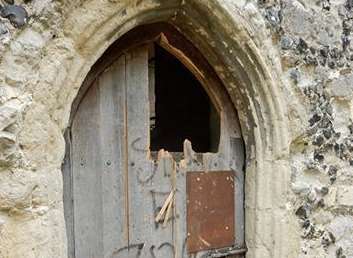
point(307, 43)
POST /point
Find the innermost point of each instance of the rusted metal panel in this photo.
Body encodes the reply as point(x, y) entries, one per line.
point(210, 210)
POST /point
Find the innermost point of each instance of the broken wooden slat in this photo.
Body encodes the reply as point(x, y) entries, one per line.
point(168, 212)
point(162, 234)
point(162, 212)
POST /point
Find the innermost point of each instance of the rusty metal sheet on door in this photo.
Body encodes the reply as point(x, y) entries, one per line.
point(210, 210)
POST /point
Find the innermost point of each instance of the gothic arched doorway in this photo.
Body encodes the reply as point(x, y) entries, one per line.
point(132, 180)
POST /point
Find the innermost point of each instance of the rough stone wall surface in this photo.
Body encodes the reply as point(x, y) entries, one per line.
point(316, 53)
point(311, 40)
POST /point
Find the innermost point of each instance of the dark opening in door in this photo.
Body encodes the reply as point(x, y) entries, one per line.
point(180, 107)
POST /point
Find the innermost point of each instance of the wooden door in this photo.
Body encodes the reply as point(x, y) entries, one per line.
point(115, 189)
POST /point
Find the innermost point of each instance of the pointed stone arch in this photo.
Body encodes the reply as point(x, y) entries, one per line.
point(226, 40)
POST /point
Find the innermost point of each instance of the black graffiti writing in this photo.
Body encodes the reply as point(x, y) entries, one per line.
point(134, 147)
point(136, 250)
point(147, 179)
point(162, 246)
point(130, 248)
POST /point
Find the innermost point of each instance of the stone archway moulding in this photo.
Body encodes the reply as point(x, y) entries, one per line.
point(224, 37)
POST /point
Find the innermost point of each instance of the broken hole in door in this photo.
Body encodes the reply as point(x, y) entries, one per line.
point(179, 106)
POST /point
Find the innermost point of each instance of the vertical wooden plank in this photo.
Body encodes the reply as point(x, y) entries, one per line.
point(86, 169)
point(179, 231)
point(149, 185)
point(163, 183)
point(137, 122)
point(189, 163)
point(111, 133)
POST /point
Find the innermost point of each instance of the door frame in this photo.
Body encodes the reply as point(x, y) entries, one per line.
point(232, 38)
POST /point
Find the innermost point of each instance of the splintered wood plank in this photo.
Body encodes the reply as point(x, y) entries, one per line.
point(111, 133)
point(87, 184)
point(189, 163)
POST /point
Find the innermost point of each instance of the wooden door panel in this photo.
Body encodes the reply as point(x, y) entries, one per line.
point(99, 207)
point(118, 189)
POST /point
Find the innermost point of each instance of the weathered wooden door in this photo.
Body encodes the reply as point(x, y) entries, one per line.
point(115, 189)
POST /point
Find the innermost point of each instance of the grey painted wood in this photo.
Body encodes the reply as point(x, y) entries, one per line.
point(111, 133)
point(98, 154)
point(137, 144)
point(87, 184)
point(163, 183)
point(149, 184)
